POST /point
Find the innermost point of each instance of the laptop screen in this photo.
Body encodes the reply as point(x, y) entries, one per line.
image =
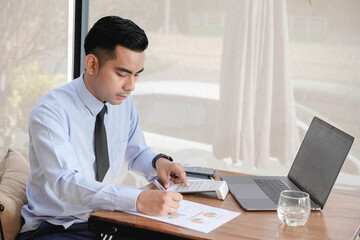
point(319, 159)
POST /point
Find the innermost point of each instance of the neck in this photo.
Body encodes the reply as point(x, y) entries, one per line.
point(88, 84)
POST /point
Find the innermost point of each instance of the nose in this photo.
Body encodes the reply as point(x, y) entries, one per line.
point(130, 83)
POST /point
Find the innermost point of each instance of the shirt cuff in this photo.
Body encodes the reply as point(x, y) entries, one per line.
point(148, 169)
point(126, 199)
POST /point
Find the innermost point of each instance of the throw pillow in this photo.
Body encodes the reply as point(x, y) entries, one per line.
point(15, 171)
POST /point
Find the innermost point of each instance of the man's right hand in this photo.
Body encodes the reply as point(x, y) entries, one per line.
point(158, 203)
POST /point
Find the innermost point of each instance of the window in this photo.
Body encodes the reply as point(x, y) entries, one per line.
point(33, 60)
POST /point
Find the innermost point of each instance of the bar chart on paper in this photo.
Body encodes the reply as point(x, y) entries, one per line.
point(197, 216)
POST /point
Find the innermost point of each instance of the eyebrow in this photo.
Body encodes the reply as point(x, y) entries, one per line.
point(127, 70)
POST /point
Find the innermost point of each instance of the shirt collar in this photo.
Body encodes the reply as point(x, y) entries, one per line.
point(90, 101)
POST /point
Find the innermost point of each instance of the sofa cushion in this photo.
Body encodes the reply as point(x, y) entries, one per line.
point(14, 172)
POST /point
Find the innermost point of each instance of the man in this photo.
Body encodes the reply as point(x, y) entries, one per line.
point(65, 186)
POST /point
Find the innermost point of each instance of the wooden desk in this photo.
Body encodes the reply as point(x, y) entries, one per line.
point(338, 220)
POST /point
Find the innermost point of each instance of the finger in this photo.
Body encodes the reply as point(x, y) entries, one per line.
point(177, 197)
point(173, 207)
point(165, 179)
point(179, 175)
point(174, 204)
point(172, 210)
point(175, 179)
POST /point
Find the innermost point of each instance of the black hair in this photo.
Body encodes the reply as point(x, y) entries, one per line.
point(111, 31)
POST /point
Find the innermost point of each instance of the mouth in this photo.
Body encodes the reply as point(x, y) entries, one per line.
point(121, 96)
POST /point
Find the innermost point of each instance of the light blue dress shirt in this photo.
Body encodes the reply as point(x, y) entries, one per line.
point(62, 187)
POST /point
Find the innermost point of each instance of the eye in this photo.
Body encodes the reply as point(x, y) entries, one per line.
point(121, 74)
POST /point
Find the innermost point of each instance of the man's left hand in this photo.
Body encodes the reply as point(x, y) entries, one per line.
point(176, 171)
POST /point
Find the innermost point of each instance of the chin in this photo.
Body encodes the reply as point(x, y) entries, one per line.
point(116, 102)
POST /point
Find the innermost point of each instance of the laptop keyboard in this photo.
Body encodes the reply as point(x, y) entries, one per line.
point(272, 187)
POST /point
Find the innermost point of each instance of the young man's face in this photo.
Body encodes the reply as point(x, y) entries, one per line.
point(115, 79)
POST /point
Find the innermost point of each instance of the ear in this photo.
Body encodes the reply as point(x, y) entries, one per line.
point(91, 64)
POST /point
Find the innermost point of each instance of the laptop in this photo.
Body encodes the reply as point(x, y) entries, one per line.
point(314, 170)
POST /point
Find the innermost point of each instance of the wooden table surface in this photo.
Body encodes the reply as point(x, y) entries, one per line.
point(339, 219)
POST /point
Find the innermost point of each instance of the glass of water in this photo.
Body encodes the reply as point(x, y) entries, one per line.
point(293, 207)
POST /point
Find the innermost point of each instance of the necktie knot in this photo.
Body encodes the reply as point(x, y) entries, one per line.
point(102, 112)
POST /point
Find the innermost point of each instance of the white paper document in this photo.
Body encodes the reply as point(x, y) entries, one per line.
point(196, 216)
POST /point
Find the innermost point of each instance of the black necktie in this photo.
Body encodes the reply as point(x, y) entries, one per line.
point(101, 149)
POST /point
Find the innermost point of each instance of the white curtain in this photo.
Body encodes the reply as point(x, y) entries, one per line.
point(256, 109)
